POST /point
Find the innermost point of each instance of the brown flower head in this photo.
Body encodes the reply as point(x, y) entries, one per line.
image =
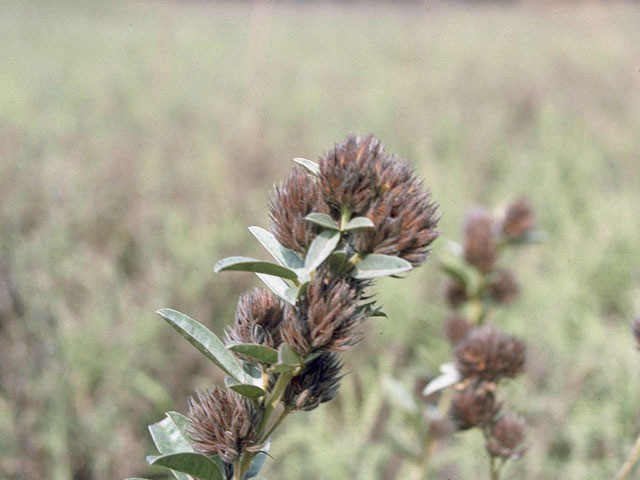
point(292, 200)
point(504, 287)
point(317, 383)
point(479, 241)
point(348, 175)
point(636, 331)
point(489, 355)
point(455, 293)
point(257, 319)
point(518, 219)
point(473, 407)
point(327, 317)
point(223, 422)
point(456, 328)
point(403, 213)
point(506, 437)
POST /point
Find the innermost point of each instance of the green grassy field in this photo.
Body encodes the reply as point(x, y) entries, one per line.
point(138, 140)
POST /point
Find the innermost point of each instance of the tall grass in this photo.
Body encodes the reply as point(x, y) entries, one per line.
point(131, 133)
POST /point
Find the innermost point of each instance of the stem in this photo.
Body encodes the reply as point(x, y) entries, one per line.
point(272, 400)
point(494, 470)
point(242, 465)
point(631, 460)
point(346, 216)
point(275, 424)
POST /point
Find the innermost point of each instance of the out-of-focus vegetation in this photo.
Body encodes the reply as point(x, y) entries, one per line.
point(137, 140)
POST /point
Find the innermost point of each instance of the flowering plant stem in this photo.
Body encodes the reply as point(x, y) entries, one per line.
point(631, 460)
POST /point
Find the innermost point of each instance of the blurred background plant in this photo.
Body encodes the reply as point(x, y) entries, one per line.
point(135, 139)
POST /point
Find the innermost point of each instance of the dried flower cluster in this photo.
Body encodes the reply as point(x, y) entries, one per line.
point(223, 423)
point(394, 217)
point(483, 354)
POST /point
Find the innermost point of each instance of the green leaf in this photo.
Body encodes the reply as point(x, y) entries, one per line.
point(284, 256)
point(258, 461)
point(323, 220)
point(194, 464)
point(168, 437)
point(377, 265)
point(281, 288)
point(180, 422)
point(288, 356)
point(260, 353)
point(358, 222)
point(205, 341)
point(250, 391)
point(321, 248)
point(248, 264)
point(450, 376)
point(310, 165)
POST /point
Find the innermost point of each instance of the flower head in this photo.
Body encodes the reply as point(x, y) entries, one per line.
point(489, 355)
point(473, 407)
point(518, 219)
point(224, 423)
point(290, 202)
point(506, 437)
point(257, 319)
point(348, 175)
point(504, 286)
point(479, 242)
point(317, 383)
point(456, 328)
point(327, 317)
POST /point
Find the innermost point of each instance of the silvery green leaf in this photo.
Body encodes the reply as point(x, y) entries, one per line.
point(377, 265)
point(310, 165)
point(321, 248)
point(248, 264)
point(449, 376)
point(284, 256)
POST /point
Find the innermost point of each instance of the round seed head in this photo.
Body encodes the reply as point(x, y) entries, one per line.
point(257, 319)
point(519, 219)
point(291, 201)
point(224, 423)
point(490, 355)
point(455, 293)
point(473, 407)
point(318, 382)
point(479, 241)
point(404, 215)
point(456, 328)
point(326, 318)
point(506, 437)
point(504, 287)
point(348, 175)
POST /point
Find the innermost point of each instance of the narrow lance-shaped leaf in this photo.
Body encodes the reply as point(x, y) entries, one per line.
point(377, 265)
point(205, 341)
point(323, 220)
point(310, 165)
point(169, 437)
point(257, 352)
point(248, 264)
point(280, 287)
point(358, 222)
point(194, 464)
point(250, 391)
point(450, 376)
point(284, 256)
point(321, 248)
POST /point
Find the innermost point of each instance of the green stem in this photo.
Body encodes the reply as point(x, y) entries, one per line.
point(242, 465)
point(275, 424)
point(272, 400)
point(492, 466)
point(346, 216)
point(631, 460)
